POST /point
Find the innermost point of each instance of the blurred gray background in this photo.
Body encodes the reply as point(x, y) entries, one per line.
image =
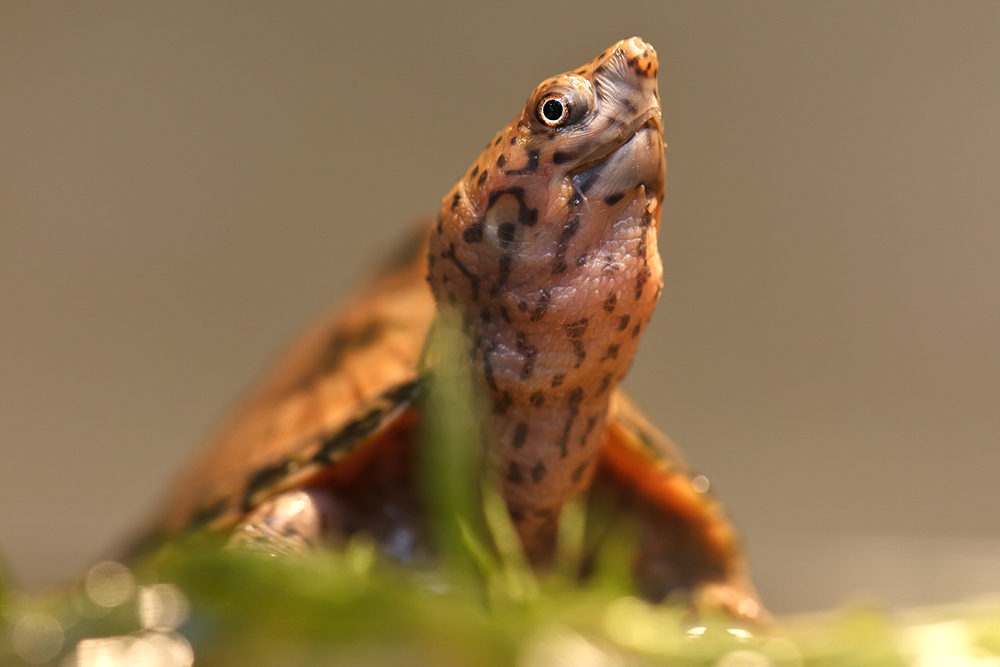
point(183, 187)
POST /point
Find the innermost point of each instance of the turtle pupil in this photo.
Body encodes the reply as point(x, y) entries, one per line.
point(553, 110)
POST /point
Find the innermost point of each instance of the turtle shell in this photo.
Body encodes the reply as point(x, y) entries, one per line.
point(334, 398)
point(339, 412)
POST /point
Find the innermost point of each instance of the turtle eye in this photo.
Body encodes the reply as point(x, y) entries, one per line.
point(554, 110)
point(563, 104)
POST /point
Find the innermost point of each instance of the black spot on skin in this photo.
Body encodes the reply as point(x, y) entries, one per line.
point(558, 380)
point(516, 515)
point(559, 157)
point(501, 161)
point(581, 260)
point(612, 352)
point(623, 325)
point(505, 233)
point(472, 278)
point(643, 248)
point(526, 216)
point(530, 352)
point(562, 245)
point(482, 177)
point(611, 200)
point(578, 473)
point(475, 170)
point(575, 398)
point(591, 423)
point(454, 202)
point(529, 168)
point(538, 472)
point(347, 437)
point(440, 225)
point(504, 314)
point(496, 142)
point(522, 305)
point(537, 399)
point(503, 275)
point(474, 233)
point(542, 307)
point(513, 140)
point(520, 435)
point(430, 261)
point(514, 474)
point(605, 384)
point(485, 316)
point(636, 329)
point(501, 404)
point(640, 281)
point(630, 105)
point(488, 366)
point(580, 352)
point(577, 330)
point(610, 302)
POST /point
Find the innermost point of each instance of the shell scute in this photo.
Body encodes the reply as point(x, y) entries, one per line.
point(348, 378)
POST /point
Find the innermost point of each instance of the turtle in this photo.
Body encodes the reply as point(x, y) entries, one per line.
point(546, 248)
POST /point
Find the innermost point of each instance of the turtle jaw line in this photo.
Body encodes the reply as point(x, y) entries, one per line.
point(650, 117)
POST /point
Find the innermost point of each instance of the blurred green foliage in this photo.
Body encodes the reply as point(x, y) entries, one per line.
point(481, 605)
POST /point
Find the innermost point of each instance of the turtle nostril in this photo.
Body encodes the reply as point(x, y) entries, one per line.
point(640, 55)
point(636, 47)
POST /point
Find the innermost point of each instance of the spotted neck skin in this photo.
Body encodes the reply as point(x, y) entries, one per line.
point(547, 247)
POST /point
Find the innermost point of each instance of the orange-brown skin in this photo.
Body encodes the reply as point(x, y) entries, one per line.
point(548, 249)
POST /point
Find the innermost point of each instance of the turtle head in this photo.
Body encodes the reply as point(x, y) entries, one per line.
point(607, 110)
point(583, 142)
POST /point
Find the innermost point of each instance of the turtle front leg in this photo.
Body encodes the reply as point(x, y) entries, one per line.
point(678, 556)
point(294, 522)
